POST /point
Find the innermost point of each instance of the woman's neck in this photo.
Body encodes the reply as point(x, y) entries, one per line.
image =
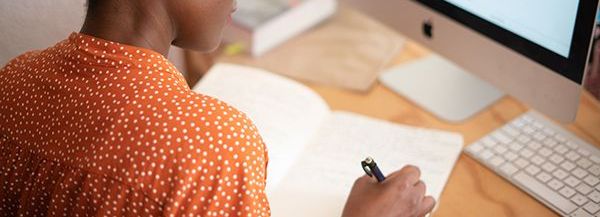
point(143, 24)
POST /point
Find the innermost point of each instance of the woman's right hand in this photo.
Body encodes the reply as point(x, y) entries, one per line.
point(401, 194)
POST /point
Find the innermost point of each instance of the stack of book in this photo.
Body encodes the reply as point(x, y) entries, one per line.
point(260, 25)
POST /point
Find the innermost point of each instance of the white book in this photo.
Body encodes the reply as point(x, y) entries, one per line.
point(314, 152)
point(260, 25)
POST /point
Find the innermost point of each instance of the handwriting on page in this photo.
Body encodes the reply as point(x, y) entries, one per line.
point(329, 166)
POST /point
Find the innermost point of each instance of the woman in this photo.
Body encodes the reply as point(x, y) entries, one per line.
point(101, 124)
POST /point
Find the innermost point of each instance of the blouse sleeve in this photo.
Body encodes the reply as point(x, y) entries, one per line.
point(228, 175)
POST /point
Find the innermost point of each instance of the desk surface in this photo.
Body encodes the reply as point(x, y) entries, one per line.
point(472, 190)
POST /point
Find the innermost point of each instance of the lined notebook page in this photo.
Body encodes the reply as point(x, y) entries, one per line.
point(286, 113)
point(321, 179)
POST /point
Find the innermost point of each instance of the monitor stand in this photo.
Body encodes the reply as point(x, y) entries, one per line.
point(442, 88)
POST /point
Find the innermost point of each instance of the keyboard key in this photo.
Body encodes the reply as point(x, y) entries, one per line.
point(591, 180)
point(584, 189)
point(543, 177)
point(555, 184)
point(532, 169)
point(523, 139)
point(579, 173)
point(591, 207)
point(500, 149)
point(518, 123)
point(528, 130)
point(580, 199)
point(548, 167)
point(534, 145)
point(526, 153)
point(496, 161)
point(581, 213)
point(537, 125)
point(572, 181)
point(539, 136)
point(521, 163)
point(501, 137)
point(515, 146)
point(549, 132)
point(508, 169)
point(537, 160)
point(548, 194)
point(560, 138)
point(584, 163)
point(545, 152)
point(556, 159)
point(486, 154)
point(475, 148)
point(572, 144)
point(573, 156)
point(568, 166)
point(489, 142)
point(550, 142)
point(583, 151)
point(511, 131)
point(595, 170)
point(527, 118)
point(595, 196)
point(561, 149)
point(560, 174)
point(510, 156)
point(567, 192)
point(595, 159)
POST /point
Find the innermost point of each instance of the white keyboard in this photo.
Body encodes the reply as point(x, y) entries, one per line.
point(543, 159)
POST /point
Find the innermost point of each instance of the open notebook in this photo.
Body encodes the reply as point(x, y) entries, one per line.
point(314, 152)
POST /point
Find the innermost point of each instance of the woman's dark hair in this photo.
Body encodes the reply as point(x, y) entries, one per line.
point(91, 3)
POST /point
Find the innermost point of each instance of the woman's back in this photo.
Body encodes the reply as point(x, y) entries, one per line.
point(92, 127)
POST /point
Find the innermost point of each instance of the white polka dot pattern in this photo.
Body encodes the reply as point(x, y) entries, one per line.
point(96, 128)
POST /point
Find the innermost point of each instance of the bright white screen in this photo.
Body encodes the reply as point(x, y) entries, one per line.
point(548, 23)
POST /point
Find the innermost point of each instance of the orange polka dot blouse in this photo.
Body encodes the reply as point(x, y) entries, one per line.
point(90, 127)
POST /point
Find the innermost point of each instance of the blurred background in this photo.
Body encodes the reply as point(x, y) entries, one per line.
point(37, 24)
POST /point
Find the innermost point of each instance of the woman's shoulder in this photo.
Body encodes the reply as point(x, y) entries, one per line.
point(214, 114)
point(191, 118)
point(19, 60)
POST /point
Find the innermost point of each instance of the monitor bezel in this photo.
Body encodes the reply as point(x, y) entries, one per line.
point(572, 67)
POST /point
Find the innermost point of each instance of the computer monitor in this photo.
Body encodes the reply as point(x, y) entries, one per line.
point(534, 50)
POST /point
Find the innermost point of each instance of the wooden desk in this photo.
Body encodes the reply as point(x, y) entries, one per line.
point(472, 190)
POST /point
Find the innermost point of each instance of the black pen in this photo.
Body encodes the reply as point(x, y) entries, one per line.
point(371, 169)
